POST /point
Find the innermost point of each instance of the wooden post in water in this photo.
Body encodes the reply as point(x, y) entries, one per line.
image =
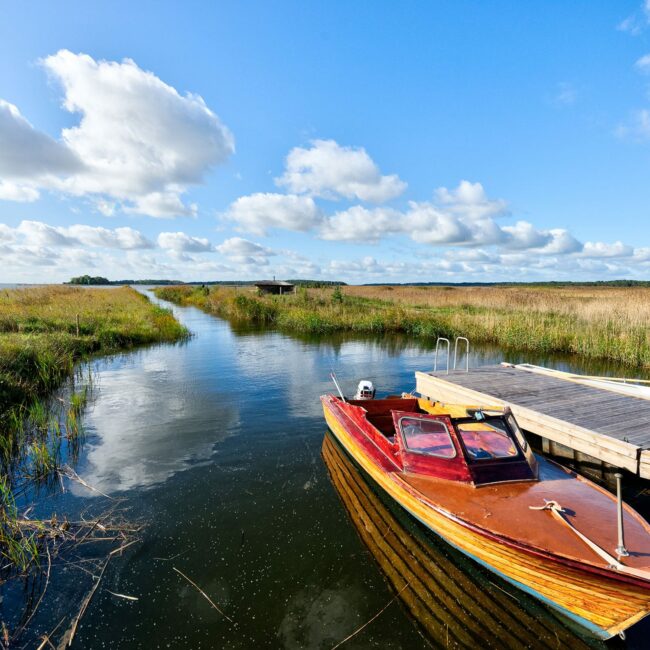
point(77, 324)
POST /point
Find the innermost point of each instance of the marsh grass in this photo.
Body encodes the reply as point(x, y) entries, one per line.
point(593, 322)
point(44, 332)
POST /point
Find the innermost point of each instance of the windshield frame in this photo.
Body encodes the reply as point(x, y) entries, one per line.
point(519, 456)
point(451, 434)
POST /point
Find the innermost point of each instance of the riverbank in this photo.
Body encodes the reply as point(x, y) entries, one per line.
point(597, 323)
point(44, 331)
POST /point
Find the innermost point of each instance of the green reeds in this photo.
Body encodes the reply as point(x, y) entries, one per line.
point(20, 550)
point(44, 332)
point(591, 322)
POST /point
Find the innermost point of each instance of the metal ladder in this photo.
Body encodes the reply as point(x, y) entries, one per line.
point(442, 339)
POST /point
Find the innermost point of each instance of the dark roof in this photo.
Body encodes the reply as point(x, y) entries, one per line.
point(273, 283)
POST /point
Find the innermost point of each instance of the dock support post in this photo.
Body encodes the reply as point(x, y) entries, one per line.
point(621, 551)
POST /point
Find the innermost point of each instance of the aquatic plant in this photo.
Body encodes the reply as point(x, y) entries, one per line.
point(44, 332)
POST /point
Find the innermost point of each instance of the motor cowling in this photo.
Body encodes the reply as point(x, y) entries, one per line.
point(365, 390)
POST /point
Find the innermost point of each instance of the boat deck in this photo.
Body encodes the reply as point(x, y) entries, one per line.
point(609, 426)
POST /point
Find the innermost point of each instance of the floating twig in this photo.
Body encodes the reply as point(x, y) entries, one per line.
point(71, 474)
point(69, 635)
point(202, 593)
point(112, 593)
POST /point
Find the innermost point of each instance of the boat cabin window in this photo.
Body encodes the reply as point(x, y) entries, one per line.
point(427, 437)
point(487, 439)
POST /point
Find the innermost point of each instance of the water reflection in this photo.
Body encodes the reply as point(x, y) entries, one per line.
point(160, 410)
point(454, 603)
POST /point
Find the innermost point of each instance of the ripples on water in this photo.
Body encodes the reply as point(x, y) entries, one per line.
point(216, 444)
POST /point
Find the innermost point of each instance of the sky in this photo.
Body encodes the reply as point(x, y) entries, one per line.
point(366, 141)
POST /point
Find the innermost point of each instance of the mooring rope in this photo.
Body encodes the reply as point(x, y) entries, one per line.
point(558, 512)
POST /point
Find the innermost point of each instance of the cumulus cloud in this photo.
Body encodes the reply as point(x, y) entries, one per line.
point(138, 141)
point(328, 170)
point(463, 215)
point(21, 193)
point(36, 234)
point(361, 224)
point(29, 155)
point(469, 200)
point(601, 249)
point(245, 252)
point(257, 213)
point(179, 242)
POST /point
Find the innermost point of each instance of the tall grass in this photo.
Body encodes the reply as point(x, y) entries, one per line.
point(44, 332)
point(594, 322)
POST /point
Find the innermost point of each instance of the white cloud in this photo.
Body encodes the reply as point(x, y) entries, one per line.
point(330, 171)
point(361, 224)
point(643, 64)
point(601, 249)
point(138, 142)
point(245, 252)
point(122, 238)
point(561, 242)
point(182, 243)
point(524, 235)
point(162, 205)
point(27, 154)
point(236, 246)
point(428, 224)
point(260, 212)
point(470, 201)
point(36, 234)
point(17, 192)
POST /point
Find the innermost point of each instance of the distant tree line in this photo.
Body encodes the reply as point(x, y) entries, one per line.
point(99, 280)
point(550, 283)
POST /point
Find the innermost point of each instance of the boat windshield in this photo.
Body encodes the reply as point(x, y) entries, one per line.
point(427, 437)
point(487, 439)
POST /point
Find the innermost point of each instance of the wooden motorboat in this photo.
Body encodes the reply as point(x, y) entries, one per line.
point(469, 475)
point(452, 603)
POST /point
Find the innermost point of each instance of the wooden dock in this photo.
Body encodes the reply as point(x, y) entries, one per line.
point(602, 424)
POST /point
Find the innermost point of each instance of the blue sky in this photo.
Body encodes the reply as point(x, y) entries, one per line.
point(365, 141)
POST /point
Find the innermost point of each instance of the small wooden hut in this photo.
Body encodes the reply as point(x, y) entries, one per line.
point(277, 287)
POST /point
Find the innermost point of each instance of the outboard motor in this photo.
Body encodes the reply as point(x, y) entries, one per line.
point(365, 390)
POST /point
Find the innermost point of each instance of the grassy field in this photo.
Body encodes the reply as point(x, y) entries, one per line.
point(45, 330)
point(594, 322)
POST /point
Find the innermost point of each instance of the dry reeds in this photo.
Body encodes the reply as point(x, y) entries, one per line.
point(593, 322)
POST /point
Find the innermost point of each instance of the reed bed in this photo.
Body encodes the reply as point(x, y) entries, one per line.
point(43, 333)
point(45, 330)
point(610, 323)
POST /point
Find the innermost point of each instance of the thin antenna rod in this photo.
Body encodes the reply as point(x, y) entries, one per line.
point(336, 383)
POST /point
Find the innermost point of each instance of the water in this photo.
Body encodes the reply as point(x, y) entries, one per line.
point(215, 445)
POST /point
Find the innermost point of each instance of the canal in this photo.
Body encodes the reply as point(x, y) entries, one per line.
point(215, 446)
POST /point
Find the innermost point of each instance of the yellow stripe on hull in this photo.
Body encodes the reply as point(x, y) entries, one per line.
point(601, 605)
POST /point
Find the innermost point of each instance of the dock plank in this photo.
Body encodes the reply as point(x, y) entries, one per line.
point(610, 426)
